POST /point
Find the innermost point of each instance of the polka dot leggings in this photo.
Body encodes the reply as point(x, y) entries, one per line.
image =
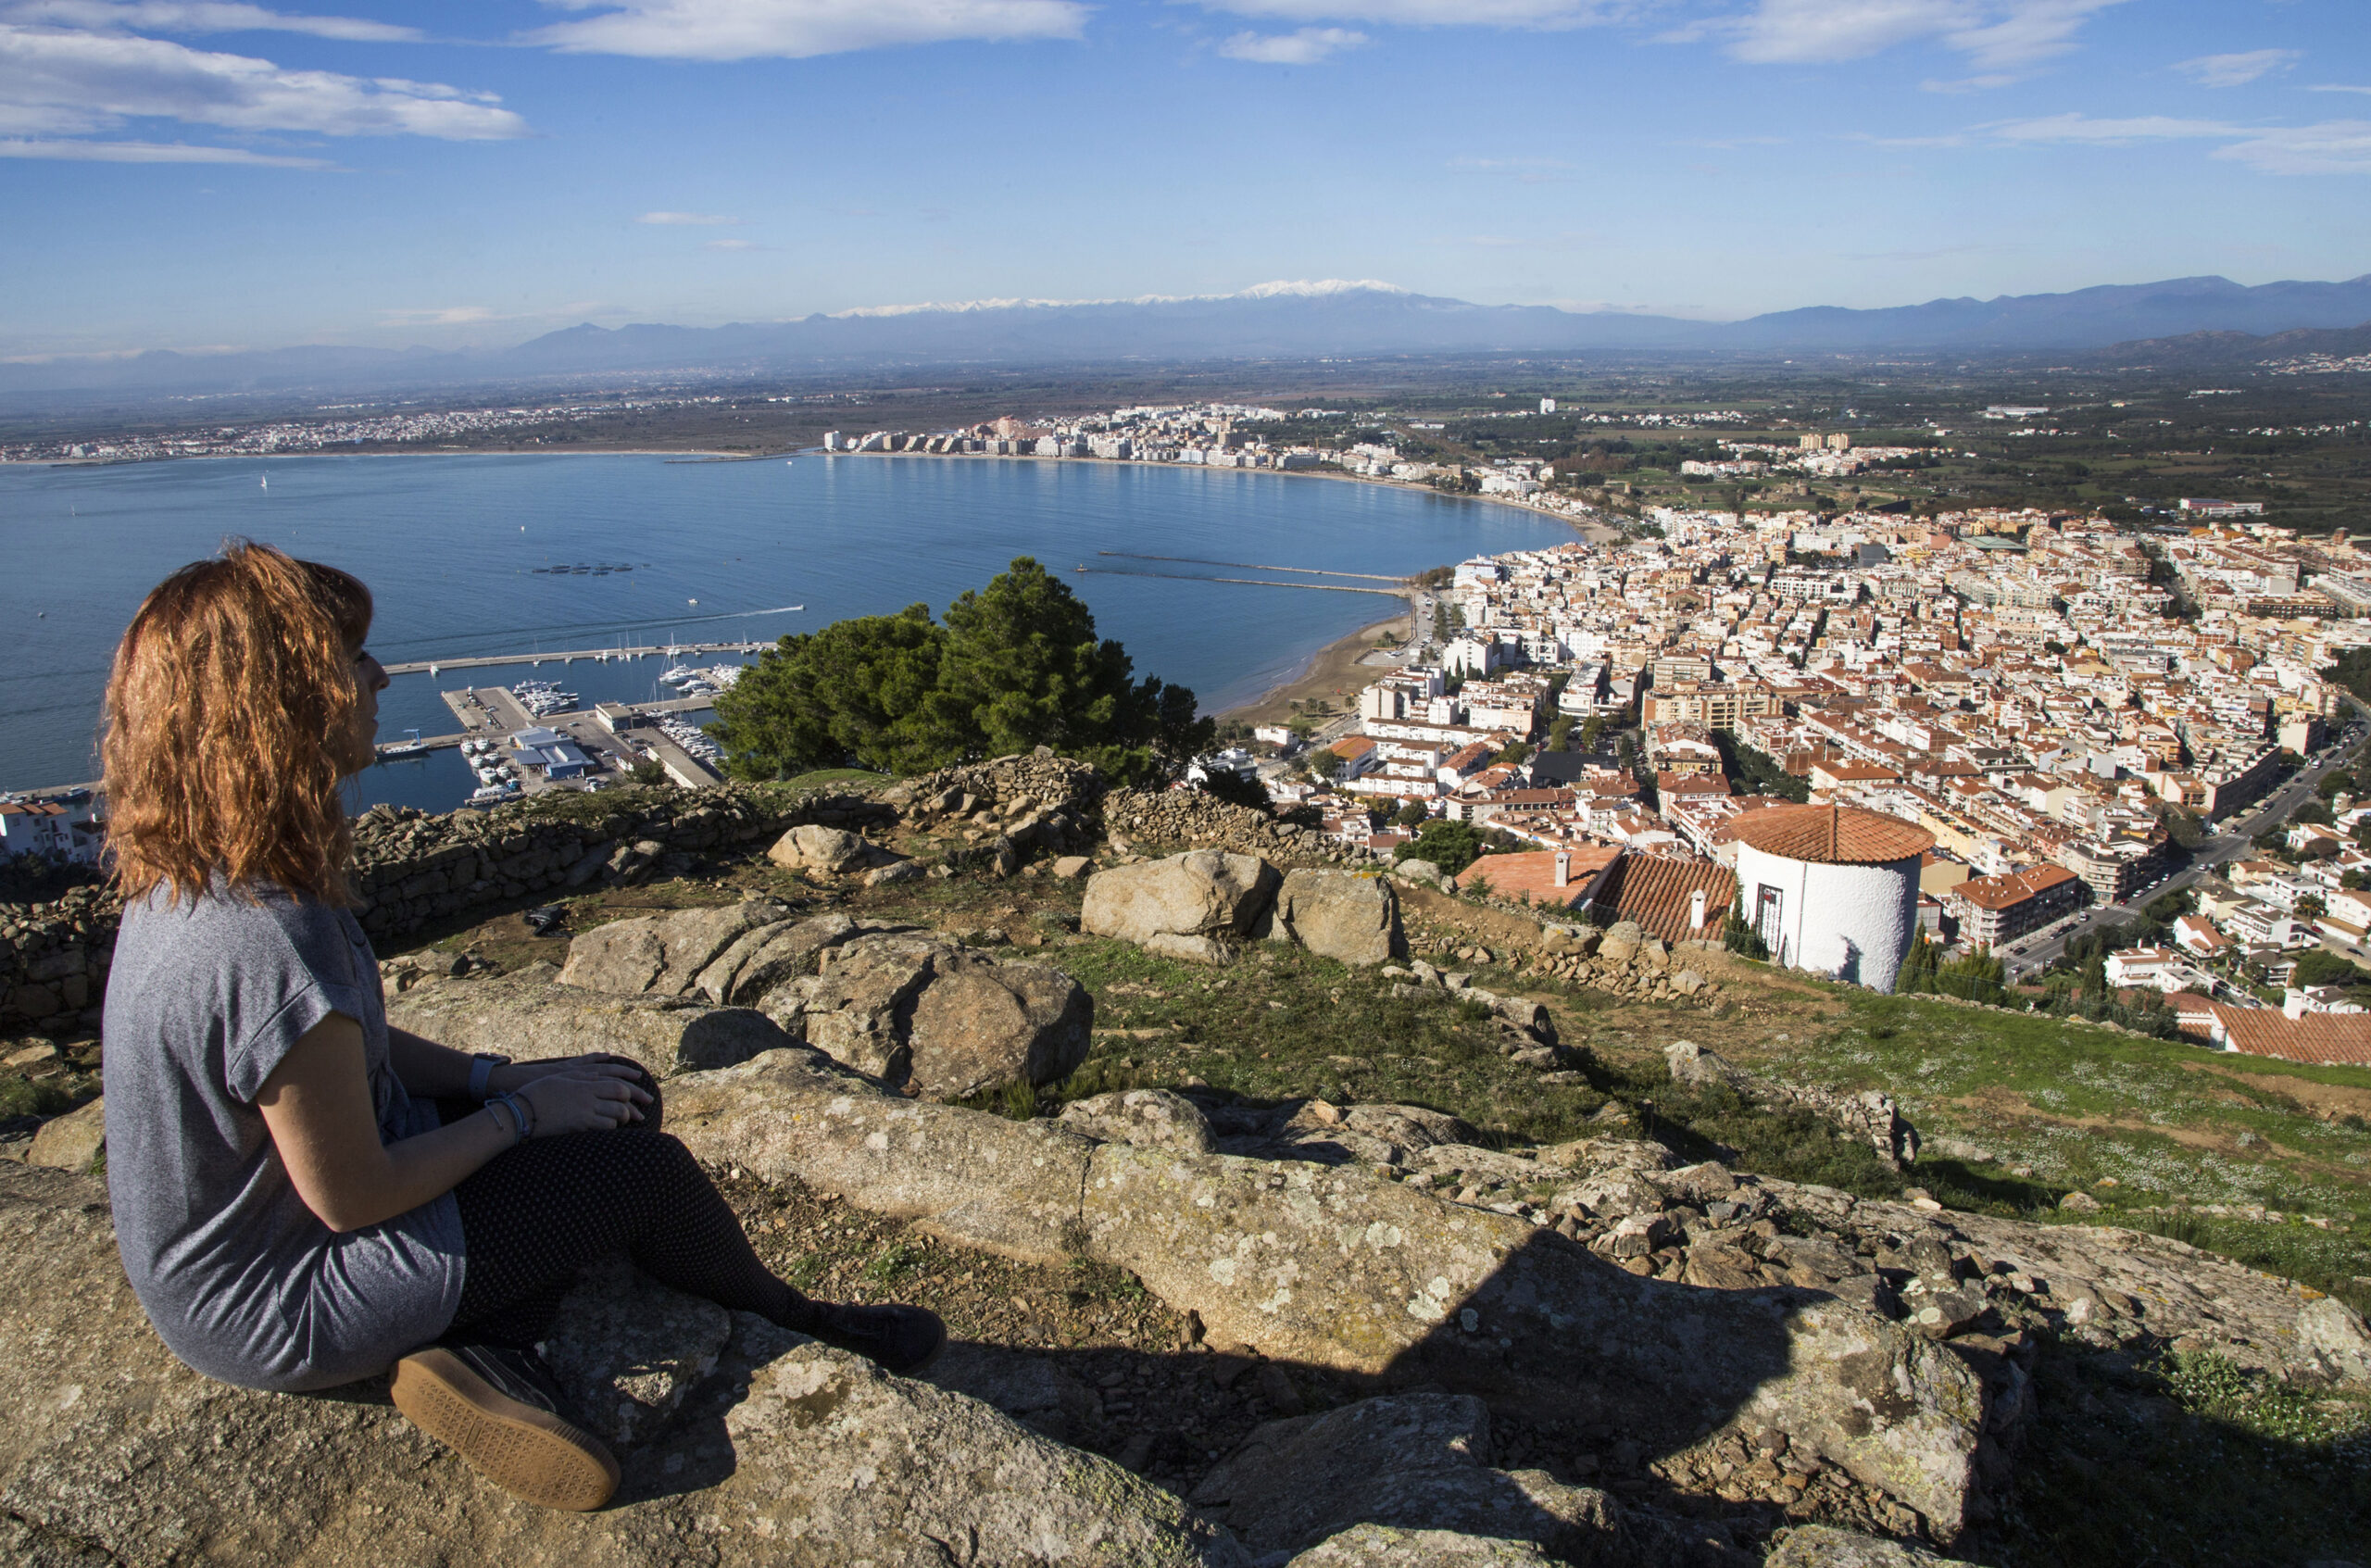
point(536, 1214)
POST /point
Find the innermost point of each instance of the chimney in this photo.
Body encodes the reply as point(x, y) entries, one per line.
point(1696, 910)
point(1563, 867)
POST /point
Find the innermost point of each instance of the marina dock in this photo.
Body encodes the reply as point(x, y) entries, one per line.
point(604, 656)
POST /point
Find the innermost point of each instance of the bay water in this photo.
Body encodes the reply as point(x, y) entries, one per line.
point(450, 546)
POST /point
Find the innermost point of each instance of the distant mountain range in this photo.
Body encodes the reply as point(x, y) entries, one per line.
point(1275, 320)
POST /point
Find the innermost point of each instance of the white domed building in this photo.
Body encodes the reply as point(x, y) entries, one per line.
point(1832, 889)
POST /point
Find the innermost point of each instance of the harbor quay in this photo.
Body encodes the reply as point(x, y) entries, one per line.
point(518, 744)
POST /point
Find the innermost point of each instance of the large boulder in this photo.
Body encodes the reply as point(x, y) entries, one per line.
point(70, 1142)
point(788, 1454)
point(833, 851)
point(1009, 1186)
point(948, 1021)
point(1347, 916)
point(1202, 893)
point(1147, 1118)
point(1824, 1545)
point(527, 1014)
point(662, 954)
point(1414, 1461)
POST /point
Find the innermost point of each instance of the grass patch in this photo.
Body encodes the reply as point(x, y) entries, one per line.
point(21, 1096)
point(893, 1262)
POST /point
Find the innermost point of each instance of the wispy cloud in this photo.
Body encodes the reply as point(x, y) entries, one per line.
point(2076, 128)
point(733, 245)
point(2331, 147)
point(686, 219)
point(2339, 87)
point(58, 83)
point(747, 30)
point(1545, 14)
point(2238, 71)
point(2335, 146)
point(196, 16)
point(149, 152)
point(438, 316)
point(1306, 47)
point(1997, 36)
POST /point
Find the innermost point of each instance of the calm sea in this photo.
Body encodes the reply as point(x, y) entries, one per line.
point(450, 544)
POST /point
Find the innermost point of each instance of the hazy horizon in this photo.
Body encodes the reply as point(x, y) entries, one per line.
point(208, 175)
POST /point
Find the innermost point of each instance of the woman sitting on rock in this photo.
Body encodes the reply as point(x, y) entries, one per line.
point(303, 1196)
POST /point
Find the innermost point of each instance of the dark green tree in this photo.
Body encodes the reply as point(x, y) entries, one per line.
point(1017, 665)
point(1023, 668)
point(846, 696)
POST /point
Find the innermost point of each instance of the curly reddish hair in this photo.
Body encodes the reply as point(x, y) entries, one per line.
point(229, 723)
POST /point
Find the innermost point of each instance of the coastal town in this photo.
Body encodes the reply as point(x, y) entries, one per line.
point(2088, 724)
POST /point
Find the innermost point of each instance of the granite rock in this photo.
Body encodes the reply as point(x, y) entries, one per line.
point(1203, 893)
point(527, 1014)
point(1346, 916)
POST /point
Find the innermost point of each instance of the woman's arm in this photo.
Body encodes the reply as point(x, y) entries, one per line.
point(317, 1105)
point(429, 1071)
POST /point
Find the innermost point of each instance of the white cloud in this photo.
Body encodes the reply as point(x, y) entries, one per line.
point(2081, 129)
point(441, 316)
point(744, 30)
point(731, 244)
point(686, 219)
point(2238, 71)
point(196, 16)
point(1305, 47)
point(2335, 146)
point(1548, 13)
point(1994, 35)
point(148, 152)
point(68, 83)
point(2337, 87)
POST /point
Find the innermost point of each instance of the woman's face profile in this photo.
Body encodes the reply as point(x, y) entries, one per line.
point(369, 678)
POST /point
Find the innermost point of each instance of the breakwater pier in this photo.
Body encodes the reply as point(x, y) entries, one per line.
point(569, 656)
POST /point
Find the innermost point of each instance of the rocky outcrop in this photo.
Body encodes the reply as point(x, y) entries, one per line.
point(528, 1014)
point(662, 955)
point(1336, 1268)
point(1009, 1187)
point(786, 1453)
point(1413, 1461)
point(1191, 818)
point(904, 1006)
point(1146, 1118)
point(1821, 1546)
point(1203, 895)
point(833, 851)
point(941, 1019)
point(1378, 1280)
point(1382, 1546)
point(1342, 915)
point(1870, 1115)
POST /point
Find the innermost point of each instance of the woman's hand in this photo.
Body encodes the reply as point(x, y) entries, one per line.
point(514, 1076)
point(584, 1096)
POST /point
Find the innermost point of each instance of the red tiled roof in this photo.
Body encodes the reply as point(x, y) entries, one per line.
point(2326, 1039)
point(2011, 888)
point(1833, 835)
point(1534, 872)
point(1657, 891)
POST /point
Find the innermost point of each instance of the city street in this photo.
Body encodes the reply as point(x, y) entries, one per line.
point(2235, 842)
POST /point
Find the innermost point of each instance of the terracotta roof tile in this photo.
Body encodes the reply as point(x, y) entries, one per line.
point(1834, 836)
point(1534, 872)
point(2321, 1038)
point(1657, 891)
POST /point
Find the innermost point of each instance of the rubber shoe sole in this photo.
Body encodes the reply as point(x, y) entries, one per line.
point(528, 1453)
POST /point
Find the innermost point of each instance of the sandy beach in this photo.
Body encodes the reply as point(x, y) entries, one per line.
point(1334, 672)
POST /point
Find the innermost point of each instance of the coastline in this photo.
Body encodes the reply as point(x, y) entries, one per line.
point(1590, 532)
point(1332, 671)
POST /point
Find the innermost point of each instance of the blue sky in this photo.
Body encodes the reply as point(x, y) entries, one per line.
point(201, 173)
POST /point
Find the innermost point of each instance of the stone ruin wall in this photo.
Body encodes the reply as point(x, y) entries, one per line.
point(413, 868)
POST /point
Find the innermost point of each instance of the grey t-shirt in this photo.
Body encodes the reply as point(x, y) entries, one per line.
point(242, 1280)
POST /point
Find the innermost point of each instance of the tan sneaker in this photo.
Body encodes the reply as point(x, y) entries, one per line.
point(500, 1410)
